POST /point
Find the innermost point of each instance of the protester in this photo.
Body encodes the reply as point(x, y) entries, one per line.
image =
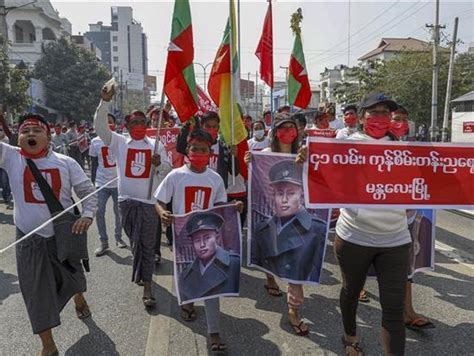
point(46, 283)
point(58, 140)
point(104, 170)
point(330, 111)
point(259, 141)
point(4, 181)
point(377, 237)
point(301, 123)
point(350, 122)
point(195, 186)
point(285, 140)
point(71, 137)
point(248, 125)
point(134, 158)
point(399, 126)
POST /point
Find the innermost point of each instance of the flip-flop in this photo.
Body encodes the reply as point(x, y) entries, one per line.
point(363, 298)
point(278, 292)
point(415, 324)
point(356, 349)
point(83, 313)
point(188, 314)
point(298, 330)
point(218, 348)
point(149, 302)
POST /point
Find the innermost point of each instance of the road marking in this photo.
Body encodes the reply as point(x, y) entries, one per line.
point(452, 253)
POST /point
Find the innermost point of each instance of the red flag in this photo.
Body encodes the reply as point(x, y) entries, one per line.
point(264, 50)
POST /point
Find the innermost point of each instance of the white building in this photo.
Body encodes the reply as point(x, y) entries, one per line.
point(32, 26)
point(123, 47)
point(462, 123)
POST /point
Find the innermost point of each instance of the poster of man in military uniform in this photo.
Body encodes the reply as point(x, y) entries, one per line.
point(207, 254)
point(285, 239)
point(422, 226)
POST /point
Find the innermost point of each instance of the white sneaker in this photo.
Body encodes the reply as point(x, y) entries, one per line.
point(101, 250)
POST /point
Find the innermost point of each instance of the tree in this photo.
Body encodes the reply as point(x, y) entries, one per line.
point(73, 78)
point(16, 97)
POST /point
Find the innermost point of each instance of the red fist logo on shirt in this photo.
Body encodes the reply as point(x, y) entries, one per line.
point(31, 189)
point(138, 163)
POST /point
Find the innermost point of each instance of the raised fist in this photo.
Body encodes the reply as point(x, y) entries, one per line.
point(108, 90)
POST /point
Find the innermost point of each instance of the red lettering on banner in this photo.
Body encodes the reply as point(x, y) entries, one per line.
point(31, 189)
point(329, 133)
point(138, 163)
point(361, 173)
point(169, 139)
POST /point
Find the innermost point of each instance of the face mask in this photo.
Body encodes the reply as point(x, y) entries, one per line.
point(287, 135)
point(57, 131)
point(350, 120)
point(112, 127)
point(399, 128)
point(213, 132)
point(323, 124)
point(258, 134)
point(198, 160)
point(377, 126)
point(138, 132)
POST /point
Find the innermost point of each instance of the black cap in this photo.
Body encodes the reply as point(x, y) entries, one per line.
point(378, 98)
point(349, 107)
point(286, 172)
point(204, 221)
point(282, 118)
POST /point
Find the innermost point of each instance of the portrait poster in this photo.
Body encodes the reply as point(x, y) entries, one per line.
point(207, 248)
point(285, 239)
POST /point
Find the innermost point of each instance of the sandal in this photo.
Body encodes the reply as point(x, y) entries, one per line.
point(218, 348)
point(299, 330)
point(149, 302)
point(363, 297)
point(188, 314)
point(54, 353)
point(352, 348)
point(273, 291)
point(84, 312)
point(140, 283)
point(420, 323)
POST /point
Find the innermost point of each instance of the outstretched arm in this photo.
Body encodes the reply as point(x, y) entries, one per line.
point(101, 124)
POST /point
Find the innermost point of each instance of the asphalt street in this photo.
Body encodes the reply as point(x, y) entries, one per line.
point(255, 323)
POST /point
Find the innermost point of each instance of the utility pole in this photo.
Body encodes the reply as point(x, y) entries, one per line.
point(434, 89)
point(286, 83)
point(4, 45)
point(247, 94)
point(349, 35)
point(256, 95)
point(121, 94)
point(444, 133)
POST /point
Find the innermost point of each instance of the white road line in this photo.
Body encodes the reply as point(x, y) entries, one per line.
point(451, 253)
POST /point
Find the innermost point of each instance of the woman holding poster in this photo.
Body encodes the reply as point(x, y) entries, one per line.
point(284, 139)
point(374, 236)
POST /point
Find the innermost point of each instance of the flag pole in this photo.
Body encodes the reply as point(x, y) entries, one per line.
point(232, 125)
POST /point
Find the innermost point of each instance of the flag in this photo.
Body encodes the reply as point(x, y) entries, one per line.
point(264, 50)
point(220, 81)
point(205, 102)
point(180, 81)
point(299, 91)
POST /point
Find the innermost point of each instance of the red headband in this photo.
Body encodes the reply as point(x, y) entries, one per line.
point(34, 122)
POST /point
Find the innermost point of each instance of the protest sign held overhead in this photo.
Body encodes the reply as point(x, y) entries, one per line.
point(207, 254)
point(397, 174)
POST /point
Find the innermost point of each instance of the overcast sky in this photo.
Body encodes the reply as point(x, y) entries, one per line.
point(324, 29)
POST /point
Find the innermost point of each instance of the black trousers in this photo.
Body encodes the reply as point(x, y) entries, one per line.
point(391, 267)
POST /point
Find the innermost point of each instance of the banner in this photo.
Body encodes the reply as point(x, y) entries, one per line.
point(468, 127)
point(82, 143)
point(388, 174)
point(207, 249)
point(169, 139)
point(329, 133)
point(205, 103)
point(285, 239)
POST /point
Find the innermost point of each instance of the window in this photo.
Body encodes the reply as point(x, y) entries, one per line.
point(115, 49)
point(115, 38)
point(115, 59)
point(116, 69)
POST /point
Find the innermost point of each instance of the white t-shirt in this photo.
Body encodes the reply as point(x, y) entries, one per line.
point(107, 168)
point(133, 160)
point(336, 124)
point(191, 191)
point(344, 133)
point(60, 171)
point(255, 145)
point(214, 157)
point(4, 139)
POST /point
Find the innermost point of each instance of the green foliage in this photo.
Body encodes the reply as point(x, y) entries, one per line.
point(16, 98)
point(73, 78)
point(408, 79)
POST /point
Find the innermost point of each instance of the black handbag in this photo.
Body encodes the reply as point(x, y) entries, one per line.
point(69, 246)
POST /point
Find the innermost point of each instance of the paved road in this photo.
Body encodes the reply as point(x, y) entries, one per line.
point(252, 324)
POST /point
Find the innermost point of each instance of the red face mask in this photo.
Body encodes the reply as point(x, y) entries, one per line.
point(198, 160)
point(377, 126)
point(350, 120)
point(57, 131)
point(323, 124)
point(287, 135)
point(138, 132)
point(399, 128)
point(112, 127)
point(213, 132)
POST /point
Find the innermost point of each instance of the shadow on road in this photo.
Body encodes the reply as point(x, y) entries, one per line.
point(8, 285)
point(96, 342)
point(6, 219)
point(126, 261)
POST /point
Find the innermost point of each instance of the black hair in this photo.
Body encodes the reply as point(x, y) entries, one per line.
point(284, 108)
point(258, 122)
point(35, 116)
point(112, 116)
point(267, 112)
point(300, 119)
point(210, 115)
point(200, 135)
point(319, 115)
point(402, 109)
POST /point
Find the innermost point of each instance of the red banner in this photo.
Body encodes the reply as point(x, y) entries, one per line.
point(205, 103)
point(329, 133)
point(397, 174)
point(468, 127)
point(169, 139)
point(83, 143)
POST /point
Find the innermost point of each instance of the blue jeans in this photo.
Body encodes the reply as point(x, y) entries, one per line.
point(103, 197)
point(5, 185)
